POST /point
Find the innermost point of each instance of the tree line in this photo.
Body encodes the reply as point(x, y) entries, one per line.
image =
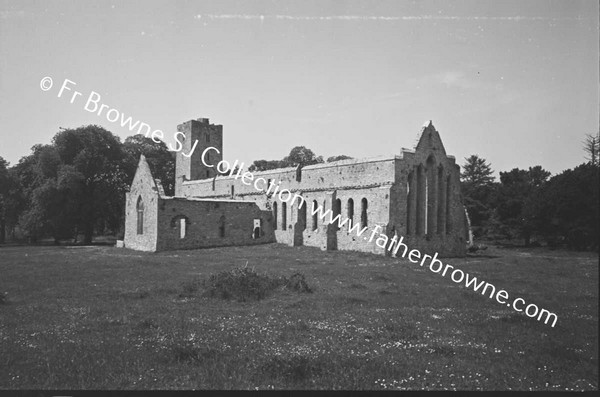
point(533, 207)
point(76, 184)
point(299, 155)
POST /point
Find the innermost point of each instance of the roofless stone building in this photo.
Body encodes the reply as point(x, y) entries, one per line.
point(415, 194)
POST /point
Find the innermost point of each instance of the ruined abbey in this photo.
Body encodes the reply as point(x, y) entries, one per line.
point(415, 194)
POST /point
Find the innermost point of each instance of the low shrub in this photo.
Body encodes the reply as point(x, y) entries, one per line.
point(245, 284)
point(297, 283)
point(477, 247)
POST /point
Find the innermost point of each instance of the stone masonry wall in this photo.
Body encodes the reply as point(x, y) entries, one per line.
point(330, 176)
point(323, 183)
point(210, 223)
point(415, 194)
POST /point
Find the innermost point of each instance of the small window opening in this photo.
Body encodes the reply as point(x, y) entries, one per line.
point(222, 226)
point(140, 215)
point(257, 231)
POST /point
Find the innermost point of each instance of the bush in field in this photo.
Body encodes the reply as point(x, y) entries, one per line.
point(245, 284)
point(297, 283)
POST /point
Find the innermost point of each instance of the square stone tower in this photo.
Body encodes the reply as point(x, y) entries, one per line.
point(199, 135)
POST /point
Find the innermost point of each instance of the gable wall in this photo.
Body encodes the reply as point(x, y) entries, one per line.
point(142, 186)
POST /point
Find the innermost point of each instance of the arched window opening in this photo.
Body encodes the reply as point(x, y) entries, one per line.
point(315, 219)
point(275, 215)
point(140, 215)
point(363, 213)
point(420, 199)
point(432, 197)
point(426, 220)
point(283, 216)
point(302, 214)
point(232, 191)
point(222, 226)
point(337, 211)
point(350, 212)
point(256, 233)
point(410, 197)
point(441, 203)
point(448, 205)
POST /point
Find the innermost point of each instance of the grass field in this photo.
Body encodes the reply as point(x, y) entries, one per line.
point(109, 318)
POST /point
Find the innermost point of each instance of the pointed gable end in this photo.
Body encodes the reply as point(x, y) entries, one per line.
point(429, 140)
point(143, 177)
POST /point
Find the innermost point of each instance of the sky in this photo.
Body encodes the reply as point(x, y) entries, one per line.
point(516, 82)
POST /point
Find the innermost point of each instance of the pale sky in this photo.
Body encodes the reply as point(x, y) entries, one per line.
point(513, 81)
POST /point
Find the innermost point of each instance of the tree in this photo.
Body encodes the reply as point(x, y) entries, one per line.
point(3, 192)
point(264, 165)
point(54, 208)
point(50, 192)
point(476, 171)
point(302, 156)
point(299, 155)
point(516, 200)
point(28, 175)
point(13, 203)
point(54, 200)
point(568, 208)
point(96, 159)
point(591, 146)
point(477, 186)
point(78, 182)
point(338, 158)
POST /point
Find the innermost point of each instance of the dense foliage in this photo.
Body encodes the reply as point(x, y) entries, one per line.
point(299, 155)
point(76, 185)
point(531, 206)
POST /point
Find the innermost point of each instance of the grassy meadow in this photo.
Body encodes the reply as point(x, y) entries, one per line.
point(100, 317)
